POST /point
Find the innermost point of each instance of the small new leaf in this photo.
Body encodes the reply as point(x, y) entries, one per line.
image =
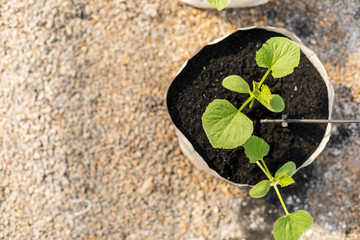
point(236, 83)
point(280, 55)
point(265, 95)
point(288, 168)
point(285, 180)
point(273, 102)
point(293, 226)
point(219, 4)
point(225, 126)
point(256, 149)
point(260, 190)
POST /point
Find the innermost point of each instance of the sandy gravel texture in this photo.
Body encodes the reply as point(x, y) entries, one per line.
point(82, 117)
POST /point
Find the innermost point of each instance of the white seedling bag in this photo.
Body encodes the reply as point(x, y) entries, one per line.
point(200, 163)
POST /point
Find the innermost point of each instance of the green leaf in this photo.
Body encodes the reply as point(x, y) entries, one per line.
point(273, 102)
point(293, 226)
point(219, 4)
point(225, 126)
point(265, 95)
point(288, 168)
point(280, 55)
point(236, 83)
point(260, 190)
point(276, 103)
point(256, 148)
point(285, 180)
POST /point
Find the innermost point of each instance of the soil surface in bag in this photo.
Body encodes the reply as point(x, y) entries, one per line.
point(199, 83)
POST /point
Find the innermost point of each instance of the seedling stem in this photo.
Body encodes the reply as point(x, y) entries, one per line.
point(246, 103)
point(280, 198)
point(264, 168)
point(263, 162)
point(264, 77)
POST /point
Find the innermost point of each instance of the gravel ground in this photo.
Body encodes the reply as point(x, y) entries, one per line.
point(82, 87)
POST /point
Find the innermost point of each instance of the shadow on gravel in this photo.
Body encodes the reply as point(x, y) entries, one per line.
point(345, 107)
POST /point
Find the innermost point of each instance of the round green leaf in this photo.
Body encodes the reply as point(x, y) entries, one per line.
point(256, 149)
point(276, 103)
point(293, 226)
point(260, 190)
point(219, 4)
point(280, 55)
point(236, 83)
point(288, 168)
point(225, 126)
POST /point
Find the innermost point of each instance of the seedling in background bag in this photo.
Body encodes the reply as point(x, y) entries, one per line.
point(219, 4)
point(227, 127)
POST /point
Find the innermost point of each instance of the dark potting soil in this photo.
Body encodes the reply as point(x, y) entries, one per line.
point(199, 83)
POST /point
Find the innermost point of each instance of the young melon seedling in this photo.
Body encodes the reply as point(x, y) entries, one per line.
point(227, 127)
